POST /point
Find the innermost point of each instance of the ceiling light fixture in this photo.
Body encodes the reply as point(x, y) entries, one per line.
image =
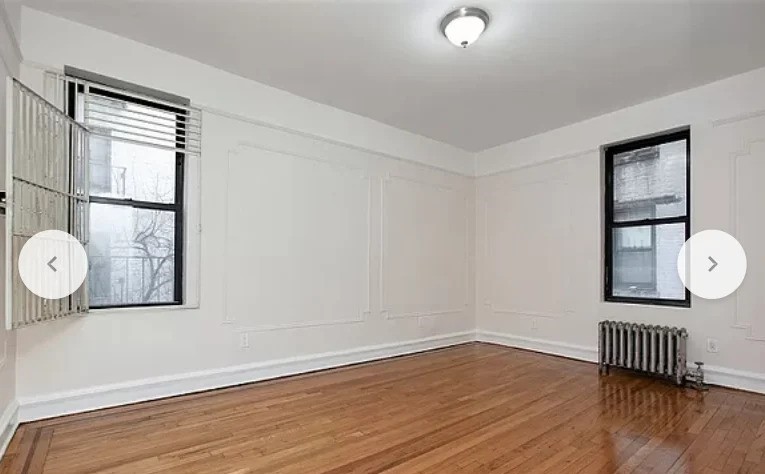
point(463, 26)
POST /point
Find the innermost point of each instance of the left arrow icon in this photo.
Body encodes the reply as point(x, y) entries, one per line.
point(50, 264)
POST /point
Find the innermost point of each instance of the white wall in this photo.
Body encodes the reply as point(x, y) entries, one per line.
point(539, 237)
point(298, 252)
point(9, 66)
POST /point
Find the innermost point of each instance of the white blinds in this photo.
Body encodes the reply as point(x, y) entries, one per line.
point(47, 183)
point(117, 114)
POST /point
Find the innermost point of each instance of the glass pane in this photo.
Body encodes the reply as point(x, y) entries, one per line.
point(645, 261)
point(650, 182)
point(131, 255)
point(127, 171)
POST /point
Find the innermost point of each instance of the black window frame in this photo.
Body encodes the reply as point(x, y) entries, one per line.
point(652, 285)
point(610, 224)
point(177, 206)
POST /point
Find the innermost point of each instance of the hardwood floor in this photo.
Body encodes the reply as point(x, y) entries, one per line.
point(470, 408)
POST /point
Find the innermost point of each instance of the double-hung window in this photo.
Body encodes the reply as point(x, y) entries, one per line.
point(137, 153)
point(647, 219)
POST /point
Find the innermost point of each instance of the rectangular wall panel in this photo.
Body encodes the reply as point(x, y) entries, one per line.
point(424, 249)
point(749, 198)
point(297, 239)
point(526, 236)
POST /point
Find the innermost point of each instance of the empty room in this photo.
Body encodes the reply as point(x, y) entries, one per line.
point(382, 236)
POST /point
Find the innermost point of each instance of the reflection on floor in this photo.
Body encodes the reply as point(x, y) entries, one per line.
point(469, 408)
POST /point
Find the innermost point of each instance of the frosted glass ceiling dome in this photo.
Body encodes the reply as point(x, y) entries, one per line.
point(464, 26)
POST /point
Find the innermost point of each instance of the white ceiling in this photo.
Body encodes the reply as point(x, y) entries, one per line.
point(540, 65)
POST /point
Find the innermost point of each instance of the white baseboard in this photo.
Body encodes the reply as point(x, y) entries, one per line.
point(9, 421)
point(724, 377)
point(572, 351)
point(104, 396)
point(739, 379)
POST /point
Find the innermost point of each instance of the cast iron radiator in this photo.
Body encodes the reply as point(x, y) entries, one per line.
point(657, 350)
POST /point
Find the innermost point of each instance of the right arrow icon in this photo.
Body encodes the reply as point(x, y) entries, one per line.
point(714, 264)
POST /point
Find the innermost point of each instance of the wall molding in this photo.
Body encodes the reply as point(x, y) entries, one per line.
point(509, 168)
point(743, 152)
point(361, 316)
point(9, 422)
point(350, 146)
point(104, 396)
point(495, 193)
point(738, 118)
point(387, 313)
point(722, 376)
point(527, 313)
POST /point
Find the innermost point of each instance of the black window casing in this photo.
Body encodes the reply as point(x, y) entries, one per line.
point(610, 224)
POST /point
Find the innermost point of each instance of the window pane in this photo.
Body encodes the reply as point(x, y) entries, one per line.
point(131, 255)
point(650, 182)
point(645, 261)
point(127, 171)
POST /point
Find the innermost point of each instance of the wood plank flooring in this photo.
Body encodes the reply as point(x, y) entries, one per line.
point(469, 409)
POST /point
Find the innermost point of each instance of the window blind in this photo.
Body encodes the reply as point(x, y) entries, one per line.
point(115, 113)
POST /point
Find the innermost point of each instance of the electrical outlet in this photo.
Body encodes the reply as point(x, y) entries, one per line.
point(534, 325)
point(712, 345)
point(244, 340)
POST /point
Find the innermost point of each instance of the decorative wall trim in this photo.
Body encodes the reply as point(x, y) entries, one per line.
point(724, 377)
point(543, 161)
point(419, 314)
point(93, 398)
point(9, 421)
point(744, 151)
point(528, 313)
point(350, 146)
point(738, 118)
point(387, 313)
point(484, 204)
point(298, 324)
point(360, 317)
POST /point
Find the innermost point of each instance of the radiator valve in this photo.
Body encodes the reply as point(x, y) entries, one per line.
point(696, 377)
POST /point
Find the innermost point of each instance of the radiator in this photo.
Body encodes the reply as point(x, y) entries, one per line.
point(657, 350)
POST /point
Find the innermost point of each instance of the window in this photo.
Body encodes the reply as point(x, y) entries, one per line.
point(647, 207)
point(137, 153)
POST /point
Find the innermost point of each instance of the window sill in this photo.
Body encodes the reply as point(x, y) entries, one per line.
point(144, 309)
point(657, 304)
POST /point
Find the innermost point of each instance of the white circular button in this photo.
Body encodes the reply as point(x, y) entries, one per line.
point(53, 264)
point(711, 264)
